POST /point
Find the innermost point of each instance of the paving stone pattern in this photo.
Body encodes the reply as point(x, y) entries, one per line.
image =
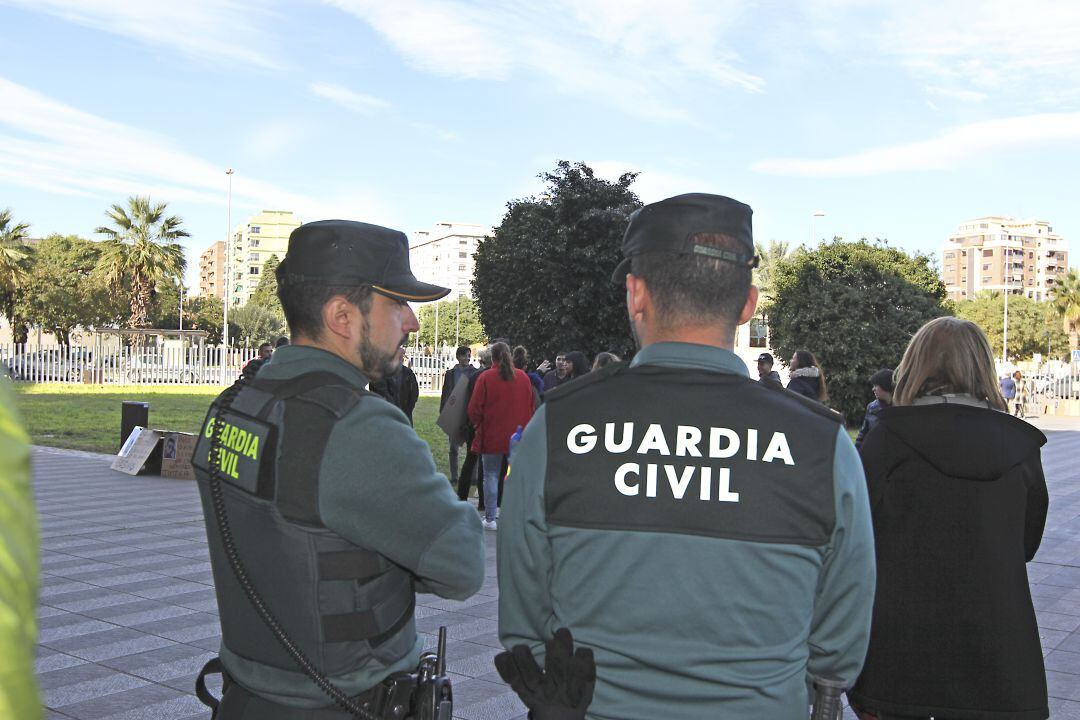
point(128, 614)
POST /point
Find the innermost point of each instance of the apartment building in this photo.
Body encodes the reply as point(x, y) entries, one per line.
point(251, 245)
point(1003, 253)
point(444, 255)
point(212, 271)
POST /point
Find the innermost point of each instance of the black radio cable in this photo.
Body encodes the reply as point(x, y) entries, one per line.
point(240, 572)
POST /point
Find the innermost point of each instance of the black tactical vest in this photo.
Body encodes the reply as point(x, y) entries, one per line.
point(339, 603)
point(687, 451)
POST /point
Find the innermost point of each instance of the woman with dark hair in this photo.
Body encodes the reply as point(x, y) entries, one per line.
point(958, 501)
point(576, 365)
point(807, 377)
point(521, 362)
point(501, 402)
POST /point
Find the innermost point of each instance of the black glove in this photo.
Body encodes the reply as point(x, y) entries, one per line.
point(563, 689)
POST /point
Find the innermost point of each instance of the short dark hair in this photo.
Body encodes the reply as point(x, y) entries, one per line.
point(282, 341)
point(462, 351)
point(521, 357)
point(883, 379)
point(303, 302)
point(688, 287)
point(265, 345)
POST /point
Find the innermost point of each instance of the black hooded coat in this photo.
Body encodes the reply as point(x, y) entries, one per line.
point(959, 502)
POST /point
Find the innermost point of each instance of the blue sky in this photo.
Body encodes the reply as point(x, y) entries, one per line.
point(897, 118)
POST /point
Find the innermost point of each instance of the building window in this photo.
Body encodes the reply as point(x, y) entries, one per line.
point(254, 270)
point(253, 229)
point(463, 241)
point(950, 268)
point(461, 268)
point(253, 257)
point(987, 278)
point(950, 255)
point(986, 266)
point(988, 253)
point(253, 242)
point(463, 254)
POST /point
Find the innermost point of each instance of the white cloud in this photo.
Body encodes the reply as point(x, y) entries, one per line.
point(50, 146)
point(972, 47)
point(945, 151)
point(349, 99)
point(628, 53)
point(220, 30)
point(956, 94)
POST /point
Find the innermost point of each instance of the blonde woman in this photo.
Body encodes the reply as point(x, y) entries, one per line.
point(959, 501)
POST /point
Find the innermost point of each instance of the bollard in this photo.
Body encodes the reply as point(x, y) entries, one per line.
point(132, 413)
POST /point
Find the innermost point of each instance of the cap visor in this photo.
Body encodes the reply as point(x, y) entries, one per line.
point(621, 271)
point(415, 291)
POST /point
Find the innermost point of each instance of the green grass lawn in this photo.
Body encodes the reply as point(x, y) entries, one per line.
point(87, 417)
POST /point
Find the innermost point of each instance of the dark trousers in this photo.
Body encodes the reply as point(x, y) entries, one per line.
point(472, 471)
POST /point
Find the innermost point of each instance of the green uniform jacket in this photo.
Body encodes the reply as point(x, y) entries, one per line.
point(378, 488)
point(684, 625)
point(18, 567)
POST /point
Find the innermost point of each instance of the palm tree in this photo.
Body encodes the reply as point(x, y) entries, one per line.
point(141, 251)
point(1066, 299)
point(771, 257)
point(14, 259)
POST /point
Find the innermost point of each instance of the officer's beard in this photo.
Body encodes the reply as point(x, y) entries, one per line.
point(378, 363)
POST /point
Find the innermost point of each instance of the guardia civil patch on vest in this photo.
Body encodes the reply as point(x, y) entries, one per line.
point(691, 452)
point(245, 443)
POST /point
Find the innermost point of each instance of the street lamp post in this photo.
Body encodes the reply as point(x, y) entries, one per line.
point(815, 214)
point(228, 266)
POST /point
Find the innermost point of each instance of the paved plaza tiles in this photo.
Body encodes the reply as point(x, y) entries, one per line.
point(128, 613)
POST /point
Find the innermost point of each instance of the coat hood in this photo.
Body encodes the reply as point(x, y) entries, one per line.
point(962, 441)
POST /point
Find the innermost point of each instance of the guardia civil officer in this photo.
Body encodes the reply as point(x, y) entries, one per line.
point(335, 509)
point(707, 536)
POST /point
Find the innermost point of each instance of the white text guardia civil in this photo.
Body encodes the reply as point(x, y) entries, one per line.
point(688, 441)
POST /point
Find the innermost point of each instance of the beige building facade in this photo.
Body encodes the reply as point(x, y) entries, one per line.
point(999, 253)
point(444, 255)
point(251, 244)
point(212, 271)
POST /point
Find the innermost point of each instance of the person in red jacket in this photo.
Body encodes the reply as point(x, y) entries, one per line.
point(501, 402)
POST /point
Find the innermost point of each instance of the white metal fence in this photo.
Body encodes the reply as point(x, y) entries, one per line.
point(164, 365)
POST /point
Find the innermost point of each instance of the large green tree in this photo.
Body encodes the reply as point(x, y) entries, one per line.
point(141, 252)
point(63, 293)
point(252, 324)
point(1066, 299)
point(855, 305)
point(459, 322)
point(15, 262)
point(206, 314)
point(265, 294)
point(544, 277)
point(1034, 327)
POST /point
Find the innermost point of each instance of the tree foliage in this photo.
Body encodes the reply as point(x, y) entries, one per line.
point(252, 324)
point(470, 331)
point(141, 252)
point(1066, 300)
point(855, 305)
point(61, 291)
point(265, 294)
point(544, 278)
point(15, 261)
point(206, 314)
point(1033, 326)
point(770, 257)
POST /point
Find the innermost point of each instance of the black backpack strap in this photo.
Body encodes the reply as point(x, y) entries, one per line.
point(212, 667)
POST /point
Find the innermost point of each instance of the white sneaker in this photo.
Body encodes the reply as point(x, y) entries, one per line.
point(490, 525)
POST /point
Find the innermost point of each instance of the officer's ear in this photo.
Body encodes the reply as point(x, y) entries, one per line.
point(638, 299)
point(338, 316)
point(750, 307)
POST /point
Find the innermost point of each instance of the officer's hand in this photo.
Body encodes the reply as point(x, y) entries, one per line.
point(563, 689)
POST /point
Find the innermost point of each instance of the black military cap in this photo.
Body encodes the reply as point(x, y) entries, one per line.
point(670, 226)
point(344, 252)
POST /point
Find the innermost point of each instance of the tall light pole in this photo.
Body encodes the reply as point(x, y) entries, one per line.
point(228, 266)
point(815, 214)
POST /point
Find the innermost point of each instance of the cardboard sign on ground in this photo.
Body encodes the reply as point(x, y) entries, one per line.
point(176, 451)
point(137, 452)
